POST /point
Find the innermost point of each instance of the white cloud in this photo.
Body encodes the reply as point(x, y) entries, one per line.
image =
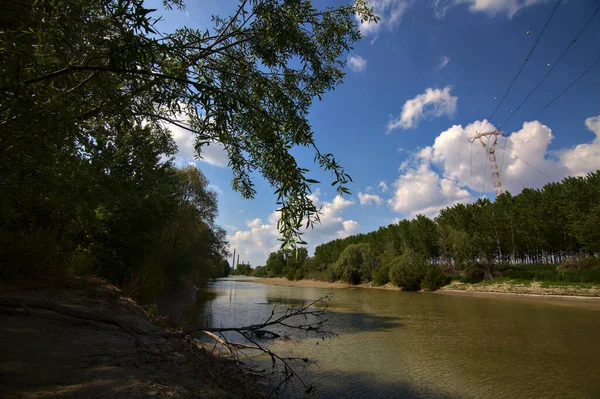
point(260, 238)
point(433, 103)
point(584, 158)
point(490, 7)
point(357, 63)
point(442, 174)
point(493, 7)
point(383, 186)
point(215, 188)
point(390, 11)
point(444, 61)
point(214, 154)
point(366, 199)
point(421, 190)
point(350, 227)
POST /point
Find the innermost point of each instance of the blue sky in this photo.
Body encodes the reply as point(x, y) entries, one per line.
point(418, 85)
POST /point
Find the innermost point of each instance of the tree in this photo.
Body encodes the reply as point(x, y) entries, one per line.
point(407, 270)
point(243, 269)
point(72, 69)
point(276, 263)
point(356, 263)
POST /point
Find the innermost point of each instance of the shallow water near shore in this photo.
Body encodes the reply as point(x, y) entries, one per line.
point(420, 345)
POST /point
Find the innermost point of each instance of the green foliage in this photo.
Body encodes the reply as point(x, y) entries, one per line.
point(355, 263)
point(381, 275)
point(407, 270)
point(260, 271)
point(290, 273)
point(476, 242)
point(299, 275)
point(276, 263)
point(243, 269)
point(434, 278)
point(88, 89)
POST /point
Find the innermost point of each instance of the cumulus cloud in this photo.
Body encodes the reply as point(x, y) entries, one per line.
point(584, 158)
point(214, 154)
point(444, 61)
point(421, 190)
point(366, 199)
point(390, 11)
point(433, 103)
point(259, 238)
point(383, 187)
point(490, 7)
point(452, 170)
point(357, 63)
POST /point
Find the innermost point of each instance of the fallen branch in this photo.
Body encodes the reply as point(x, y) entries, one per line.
point(285, 319)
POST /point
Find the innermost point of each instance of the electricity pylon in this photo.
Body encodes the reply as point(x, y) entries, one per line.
point(491, 151)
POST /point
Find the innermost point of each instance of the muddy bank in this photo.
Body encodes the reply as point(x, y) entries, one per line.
point(534, 289)
point(90, 341)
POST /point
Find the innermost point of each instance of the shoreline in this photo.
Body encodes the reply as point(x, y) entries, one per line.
point(503, 290)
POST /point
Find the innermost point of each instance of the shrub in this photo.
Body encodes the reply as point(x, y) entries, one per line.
point(381, 275)
point(299, 275)
point(434, 278)
point(289, 274)
point(355, 263)
point(407, 270)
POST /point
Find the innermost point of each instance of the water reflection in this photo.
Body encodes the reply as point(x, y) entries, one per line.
point(414, 345)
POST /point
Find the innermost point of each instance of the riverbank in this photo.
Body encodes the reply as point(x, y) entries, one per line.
point(88, 339)
point(533, 289)
point(321, 284)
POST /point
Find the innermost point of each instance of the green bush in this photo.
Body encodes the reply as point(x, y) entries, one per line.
point(321, 275)
point(580, 276)
point(289, 274)
point(407, 270)
point(434, 278)
point(299, 275)
point(354, 264)
point(381, 275)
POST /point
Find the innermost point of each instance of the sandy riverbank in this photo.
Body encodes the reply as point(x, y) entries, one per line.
point(320, 284)
point(533, 290)
point(90, 340)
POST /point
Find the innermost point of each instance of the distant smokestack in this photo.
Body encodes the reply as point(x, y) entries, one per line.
point(233, 260)
point(238, 262)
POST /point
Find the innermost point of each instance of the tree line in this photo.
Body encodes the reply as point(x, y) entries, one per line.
point(480, 240)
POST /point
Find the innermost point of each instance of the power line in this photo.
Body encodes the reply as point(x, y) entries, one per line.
point(531, 166)
point(568, 87)
point(558, 60)
point(526, 59)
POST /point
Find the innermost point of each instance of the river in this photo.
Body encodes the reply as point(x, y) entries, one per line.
point(396, 344)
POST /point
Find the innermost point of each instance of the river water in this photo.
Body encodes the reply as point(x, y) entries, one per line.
point(396, 344)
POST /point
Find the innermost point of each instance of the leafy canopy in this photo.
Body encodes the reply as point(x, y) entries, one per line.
point(69, 68)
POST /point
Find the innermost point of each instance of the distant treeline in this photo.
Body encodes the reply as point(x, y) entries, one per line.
point(548, 225)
